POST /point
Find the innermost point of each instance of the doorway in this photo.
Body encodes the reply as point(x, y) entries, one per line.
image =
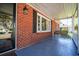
point(7, 26)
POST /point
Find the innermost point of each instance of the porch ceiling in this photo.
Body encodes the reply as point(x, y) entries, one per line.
point(56, 10)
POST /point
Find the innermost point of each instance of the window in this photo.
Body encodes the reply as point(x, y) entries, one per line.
point(7, 27)
point(43, 24)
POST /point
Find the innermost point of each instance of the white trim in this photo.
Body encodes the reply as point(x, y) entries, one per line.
point(7, 51)
point(41, 16)
point(38, 10)
point(16, 28)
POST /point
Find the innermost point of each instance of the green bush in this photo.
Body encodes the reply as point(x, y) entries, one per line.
point(64, 32)
point(76, 27)
point(2, 32)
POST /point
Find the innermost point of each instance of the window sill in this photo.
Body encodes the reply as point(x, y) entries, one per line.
point(42, 31)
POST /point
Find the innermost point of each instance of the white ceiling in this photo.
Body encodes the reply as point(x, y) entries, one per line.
point(56, 10)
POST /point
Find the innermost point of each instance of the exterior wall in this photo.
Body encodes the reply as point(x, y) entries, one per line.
point(55, 26)
point(25, 36)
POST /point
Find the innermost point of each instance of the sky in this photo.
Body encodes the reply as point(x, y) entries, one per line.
point(66, 22)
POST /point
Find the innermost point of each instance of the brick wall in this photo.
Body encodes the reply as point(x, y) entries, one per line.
point(55, 26)
point(25, 36)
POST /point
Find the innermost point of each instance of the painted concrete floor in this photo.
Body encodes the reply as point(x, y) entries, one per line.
point(55, 46)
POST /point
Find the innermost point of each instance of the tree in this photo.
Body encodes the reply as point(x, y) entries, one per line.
point(5, 19)
point(76, 27)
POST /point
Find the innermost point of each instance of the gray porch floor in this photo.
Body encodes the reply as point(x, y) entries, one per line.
point(55, 46)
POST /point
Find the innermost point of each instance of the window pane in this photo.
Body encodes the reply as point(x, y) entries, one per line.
point(49, 25)
point(43, 24)
point(38, 23)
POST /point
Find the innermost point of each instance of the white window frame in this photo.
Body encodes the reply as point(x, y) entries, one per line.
point(41, 16)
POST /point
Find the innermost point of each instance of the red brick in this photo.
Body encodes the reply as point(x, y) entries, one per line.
point(25, 36)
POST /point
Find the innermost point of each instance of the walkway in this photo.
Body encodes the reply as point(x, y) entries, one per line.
point(55, 46)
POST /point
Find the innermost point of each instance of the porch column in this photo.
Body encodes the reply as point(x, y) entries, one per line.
point(73, 24)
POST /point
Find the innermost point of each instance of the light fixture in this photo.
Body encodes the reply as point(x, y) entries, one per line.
point(25, 10)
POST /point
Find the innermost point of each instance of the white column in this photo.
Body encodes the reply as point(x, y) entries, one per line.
point(73, 24)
